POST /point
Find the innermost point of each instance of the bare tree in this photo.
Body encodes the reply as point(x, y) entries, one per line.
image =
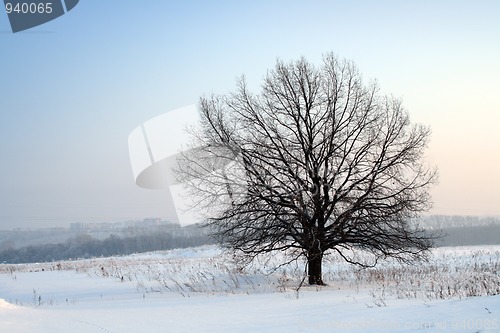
point(318, 162)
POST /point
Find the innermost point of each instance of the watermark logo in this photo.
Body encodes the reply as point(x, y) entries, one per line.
point(25, 14)
point(162, 146)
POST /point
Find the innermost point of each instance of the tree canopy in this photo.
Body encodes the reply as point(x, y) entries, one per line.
point(317, 161)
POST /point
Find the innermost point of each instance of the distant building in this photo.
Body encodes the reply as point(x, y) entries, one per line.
point(151, 222)
point(77, 226)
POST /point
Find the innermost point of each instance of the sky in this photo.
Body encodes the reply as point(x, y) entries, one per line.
point(72, 90)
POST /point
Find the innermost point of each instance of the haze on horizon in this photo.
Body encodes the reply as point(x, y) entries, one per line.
point(72, 91)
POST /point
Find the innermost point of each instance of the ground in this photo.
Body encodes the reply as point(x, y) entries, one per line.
point(202, 290)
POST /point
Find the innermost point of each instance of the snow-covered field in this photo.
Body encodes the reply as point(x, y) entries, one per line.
point(205, 290)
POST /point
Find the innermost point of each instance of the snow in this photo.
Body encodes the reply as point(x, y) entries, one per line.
point(203, 290)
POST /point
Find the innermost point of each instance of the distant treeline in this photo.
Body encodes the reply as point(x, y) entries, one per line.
point(456, 221)
point(85, 246)
point(477, 235)
point(169, 237)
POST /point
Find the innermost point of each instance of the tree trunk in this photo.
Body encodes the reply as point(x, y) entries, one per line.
point(314, 262)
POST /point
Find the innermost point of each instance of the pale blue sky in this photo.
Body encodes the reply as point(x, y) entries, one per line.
point(73, 89)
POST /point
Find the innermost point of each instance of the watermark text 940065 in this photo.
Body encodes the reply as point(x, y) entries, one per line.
point(26, 14)
point(29, 8)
